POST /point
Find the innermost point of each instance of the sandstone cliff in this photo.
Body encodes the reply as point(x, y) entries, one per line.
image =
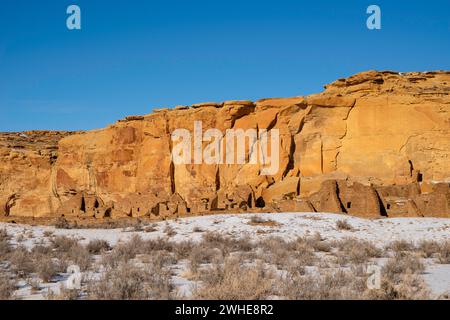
point(377, 143)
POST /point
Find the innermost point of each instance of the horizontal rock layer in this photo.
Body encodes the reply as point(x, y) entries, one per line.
point(374, 144)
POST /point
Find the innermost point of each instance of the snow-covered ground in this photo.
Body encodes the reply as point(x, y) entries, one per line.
point(380, 232)
point(289, 226)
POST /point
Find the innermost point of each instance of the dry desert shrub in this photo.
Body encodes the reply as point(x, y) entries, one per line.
point(401, 279)
point(200, 255)
point(69, 251)
point(303, 255)
point(401, 286)
point(226, 244)
point(317, 243)
point(48, 233)
point(351, 250)
point(129, 282)
point(126, 282)
point(183, 249)
point(79, 256)
point(343, 225)
point(5, 247)
point(124, 252)
point(63, 243)
point(63, 223)
point(401, 246)
point(275, 250)
point(333, 285)
point(4, 235)
point(39, 260)
point(243, 244)
point(401, 264)
point(158, 244)
point(21, 261)
point(151, 228)
point(162, 259)
point(97, 246)
point(64, 294)
point(46, 268)
point(42, 250)
point(234, 281)
point(444, 253)
point(197, 229)
point(428, 248)
point(169, 231)
point(259, 221)
point(7, 287)
point(34, 283)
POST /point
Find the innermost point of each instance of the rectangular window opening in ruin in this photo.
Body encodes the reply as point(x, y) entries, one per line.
point(420, 177)
point(349, 205)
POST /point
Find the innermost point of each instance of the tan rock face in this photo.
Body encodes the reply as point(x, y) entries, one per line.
point(377, 143)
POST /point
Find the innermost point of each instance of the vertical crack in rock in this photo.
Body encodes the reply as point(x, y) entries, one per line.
point(217, 178)
point(172, 165)
point(291, 164)
point(338, 195)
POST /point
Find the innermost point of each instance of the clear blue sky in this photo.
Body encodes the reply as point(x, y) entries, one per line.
point(132, 56)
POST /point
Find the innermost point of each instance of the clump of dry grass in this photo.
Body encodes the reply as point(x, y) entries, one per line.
point(46, 268)
point(401, 246)
point(226, 244)
point(275, 250)
point(234, 281)
point(7, 287)
point(124, 252)
point(64, 294)
point(303, 254)
point(259, 221)
point(169, 231)
point(21, 262)
point(97, 246)
point(69, 251)
point(151, 245)
point(48, 233)
point(34, 283)
point(343, 225)
point(200, 255)
point(444, 253)
point(62, 223)
point(283, 254)
point(402, 263)
point(4, 236)
point(197, 229)
point(428, 248)
point(433, 249)
point(63, 243)
point(335, 285)
point(408, 287)
point(182, 249)
point(317, 243)
point(351, 250)
point(5, 247)
point(151, 228)
point(401, 280)
point(39, 260)
point(129, 282)
point(126, 282)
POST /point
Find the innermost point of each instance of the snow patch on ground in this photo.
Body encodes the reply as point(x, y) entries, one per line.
point(289, 226)
point(286, 225)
